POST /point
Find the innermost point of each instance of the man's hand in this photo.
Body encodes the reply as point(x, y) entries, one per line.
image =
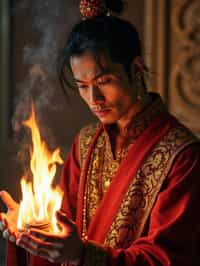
point(8, 221)
point(64, 247)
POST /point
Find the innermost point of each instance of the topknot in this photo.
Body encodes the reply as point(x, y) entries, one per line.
point(94, 8)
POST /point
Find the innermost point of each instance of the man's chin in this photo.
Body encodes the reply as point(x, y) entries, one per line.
point(107, 121)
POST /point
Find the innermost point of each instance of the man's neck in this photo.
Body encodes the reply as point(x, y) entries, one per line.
point(137, 107)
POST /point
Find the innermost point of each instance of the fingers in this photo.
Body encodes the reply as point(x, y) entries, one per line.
point(63, 219)
point(33, 248)
point(33, 242)
point(42, 235)
point(54, 248)
point(8, 200)
point(40, 248)
point(2, 223)
point(3, 226)
point(68, 225)
point(49, 238)
point(7, 233)
point(12, 238)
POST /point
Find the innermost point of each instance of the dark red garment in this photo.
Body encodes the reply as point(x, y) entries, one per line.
point(172, 233)
point(171, 236)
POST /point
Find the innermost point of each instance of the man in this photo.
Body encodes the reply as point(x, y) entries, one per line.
point(131, 181)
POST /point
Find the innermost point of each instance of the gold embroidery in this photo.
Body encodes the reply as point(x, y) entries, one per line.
point(142, 120)
point(102, 166)
point(85, 138)
point(140, 197)
point(94, 178)
point(101, 169)
point(99, 176)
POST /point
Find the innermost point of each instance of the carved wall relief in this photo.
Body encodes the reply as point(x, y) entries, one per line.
point(172, 52)
point(185, 69)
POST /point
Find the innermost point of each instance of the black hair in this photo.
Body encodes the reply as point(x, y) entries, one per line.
point(110, 34)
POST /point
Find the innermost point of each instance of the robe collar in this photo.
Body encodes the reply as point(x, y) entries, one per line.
point(139, 122)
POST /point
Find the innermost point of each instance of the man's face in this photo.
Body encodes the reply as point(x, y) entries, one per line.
point(104, 86)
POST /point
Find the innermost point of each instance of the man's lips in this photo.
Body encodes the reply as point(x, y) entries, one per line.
point(101, 111)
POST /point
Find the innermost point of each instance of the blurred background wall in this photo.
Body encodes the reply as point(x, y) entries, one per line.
point(31, 35)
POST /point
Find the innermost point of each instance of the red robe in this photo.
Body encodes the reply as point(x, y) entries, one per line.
point(171, 231)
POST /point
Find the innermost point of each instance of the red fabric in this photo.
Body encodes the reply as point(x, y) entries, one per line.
point(79, 205)
point(119, 188)
point(172, 233)
point(172, 237)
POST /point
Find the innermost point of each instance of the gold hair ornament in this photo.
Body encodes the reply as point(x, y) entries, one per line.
point(93, 8)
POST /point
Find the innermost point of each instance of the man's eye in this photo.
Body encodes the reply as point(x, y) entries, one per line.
point(103, 80)
point(82, 86)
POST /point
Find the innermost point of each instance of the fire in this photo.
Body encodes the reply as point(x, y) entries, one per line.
point(40, 200)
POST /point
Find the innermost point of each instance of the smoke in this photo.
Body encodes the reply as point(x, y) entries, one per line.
point(50, 22)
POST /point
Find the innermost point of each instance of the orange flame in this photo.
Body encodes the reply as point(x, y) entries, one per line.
point(40, 200)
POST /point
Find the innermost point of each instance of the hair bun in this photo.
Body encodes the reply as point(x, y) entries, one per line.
point(116, 6)
point(92, 8)
point(95, 8)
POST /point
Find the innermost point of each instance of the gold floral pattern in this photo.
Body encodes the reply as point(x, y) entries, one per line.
point(140, 197)
point(134, 211)
point(102, 165)
point(85, 138)
point(100, 173)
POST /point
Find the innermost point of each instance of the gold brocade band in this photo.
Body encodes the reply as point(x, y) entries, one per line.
point(145, 187)
point(103, 166)
point(143, 191)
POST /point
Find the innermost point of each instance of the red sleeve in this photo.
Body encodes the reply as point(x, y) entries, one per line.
point(173, 233)
point(69, 180)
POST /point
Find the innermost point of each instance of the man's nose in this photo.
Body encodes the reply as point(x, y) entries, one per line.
point(95, 94)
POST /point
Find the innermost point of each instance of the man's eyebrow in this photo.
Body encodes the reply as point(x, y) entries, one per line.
point(104, 72)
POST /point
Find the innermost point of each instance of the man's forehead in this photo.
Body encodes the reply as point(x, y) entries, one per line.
point(88, 65)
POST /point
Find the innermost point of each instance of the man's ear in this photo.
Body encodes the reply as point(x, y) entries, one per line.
point(139, 69)
point(138, 66)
